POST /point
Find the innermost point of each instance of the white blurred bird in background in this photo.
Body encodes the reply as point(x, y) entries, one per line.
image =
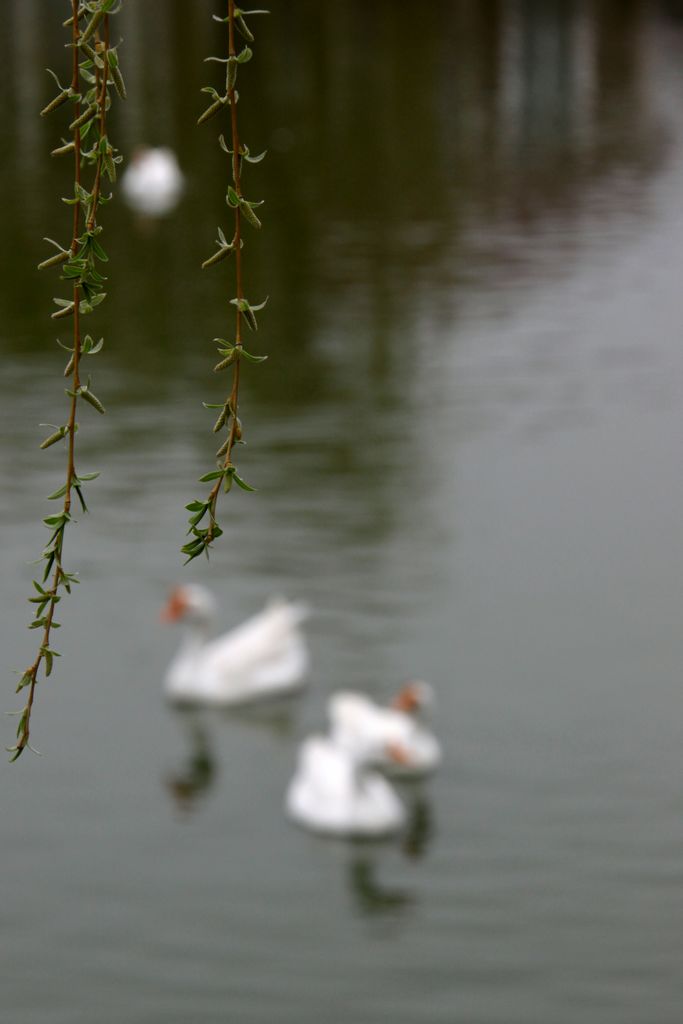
point(265, 657)
point(336, 793)
point(153, 183)
point(374, 731)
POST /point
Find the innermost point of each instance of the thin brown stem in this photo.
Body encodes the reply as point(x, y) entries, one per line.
point(232, 351)
point(75, 82)
point(51, 592)
point(237, 242)
point(102, 102)
point(24, 735)
point(70, 471)
point(89, 95)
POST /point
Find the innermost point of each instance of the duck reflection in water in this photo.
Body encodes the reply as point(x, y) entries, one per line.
point(200, 770)
point(370, 896)
point(420, 831)
point(199, 773)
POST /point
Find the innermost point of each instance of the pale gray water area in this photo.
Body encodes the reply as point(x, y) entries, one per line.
point(467, 443)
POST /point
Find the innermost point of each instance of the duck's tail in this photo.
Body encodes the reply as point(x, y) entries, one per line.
point(297, 611)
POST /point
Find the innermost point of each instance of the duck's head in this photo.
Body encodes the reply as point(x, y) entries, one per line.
point(190, 603)
point(413, 697)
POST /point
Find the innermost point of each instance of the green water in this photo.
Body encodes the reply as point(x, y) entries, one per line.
point(467, 447)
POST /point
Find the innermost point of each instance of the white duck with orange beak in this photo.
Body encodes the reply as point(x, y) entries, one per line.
point(153, 182)
point(336, 793)
point(393, 738)
point(266, 657)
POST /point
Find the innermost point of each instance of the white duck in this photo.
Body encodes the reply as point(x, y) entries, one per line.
point(335, 793)
point(265, 657)
point(153, 182)
point(391, 738)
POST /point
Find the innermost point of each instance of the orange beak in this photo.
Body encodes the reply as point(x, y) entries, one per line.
point(174, 608)
point(398, 754)
point(407, 699)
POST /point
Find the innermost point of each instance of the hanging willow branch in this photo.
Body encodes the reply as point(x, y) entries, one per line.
point(95, 69)
point(231, 352)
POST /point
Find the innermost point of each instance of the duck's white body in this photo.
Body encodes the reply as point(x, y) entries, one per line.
point(153, 182)
point(380, 733)
point(334, 793)
point(265, 657)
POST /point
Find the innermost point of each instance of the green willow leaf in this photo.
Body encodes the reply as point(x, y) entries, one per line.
point(242, 483)
point(251, 358)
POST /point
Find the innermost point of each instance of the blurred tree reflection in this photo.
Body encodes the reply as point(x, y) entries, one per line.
point(393, 143)
point(411, 164)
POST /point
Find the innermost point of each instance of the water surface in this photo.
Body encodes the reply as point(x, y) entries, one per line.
point(467, 448)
